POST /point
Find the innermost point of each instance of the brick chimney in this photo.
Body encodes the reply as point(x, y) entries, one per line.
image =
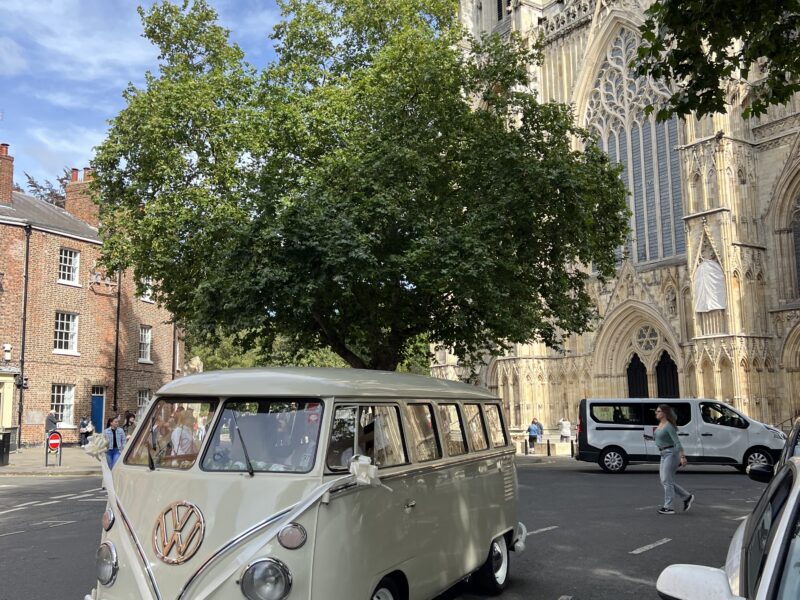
point(6, 175)
point(78, 201)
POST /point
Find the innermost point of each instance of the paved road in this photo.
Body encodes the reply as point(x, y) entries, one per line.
point(594, 536)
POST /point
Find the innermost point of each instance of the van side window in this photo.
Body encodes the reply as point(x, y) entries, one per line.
point(617, 412)
point(421, 433)
point(495, 424)
point(683, 412)
point(452, 430)
point(716, 414)
point(372, 431)
point(477, 432)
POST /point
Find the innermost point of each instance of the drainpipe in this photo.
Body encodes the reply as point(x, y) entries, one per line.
point(174, 349)
point(116, 342)
point(28, 230)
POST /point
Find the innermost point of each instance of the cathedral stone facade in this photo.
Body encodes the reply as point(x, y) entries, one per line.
point(706, 299)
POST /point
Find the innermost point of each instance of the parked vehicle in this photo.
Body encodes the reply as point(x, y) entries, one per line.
point(333, 484)
point(763, 558)
point(764, 473)
point(616, 432)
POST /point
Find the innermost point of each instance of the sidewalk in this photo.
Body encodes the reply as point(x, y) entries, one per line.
point(29, 461)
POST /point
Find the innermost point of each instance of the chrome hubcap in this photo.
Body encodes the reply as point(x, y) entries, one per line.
point(499, 561)
point(613, 461)
point(382, 594)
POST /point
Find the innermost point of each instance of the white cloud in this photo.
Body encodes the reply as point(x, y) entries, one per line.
point(12, 60)
point(72, 141)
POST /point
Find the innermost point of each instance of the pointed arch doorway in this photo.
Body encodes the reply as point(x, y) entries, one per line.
point(637, 378)
point(667, 377)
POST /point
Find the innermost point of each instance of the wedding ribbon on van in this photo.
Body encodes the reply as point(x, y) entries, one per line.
point(362, 472)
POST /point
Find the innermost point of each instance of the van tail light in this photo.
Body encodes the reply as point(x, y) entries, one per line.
point(580, 425)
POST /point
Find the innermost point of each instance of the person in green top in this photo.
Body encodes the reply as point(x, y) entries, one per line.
point(672, 457)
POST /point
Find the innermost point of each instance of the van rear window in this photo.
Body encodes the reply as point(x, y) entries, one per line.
point(493, 420)
point(421, 433)
point(618, 413)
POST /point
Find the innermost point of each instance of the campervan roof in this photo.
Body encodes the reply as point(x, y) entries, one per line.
point(319, 383)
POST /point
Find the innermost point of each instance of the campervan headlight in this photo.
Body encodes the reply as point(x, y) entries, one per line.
point(106, 563)
point(266, 579)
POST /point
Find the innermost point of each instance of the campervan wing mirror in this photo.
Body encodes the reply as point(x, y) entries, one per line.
point(693, 582)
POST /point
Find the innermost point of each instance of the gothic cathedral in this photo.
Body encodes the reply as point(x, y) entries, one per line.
point(706, 300)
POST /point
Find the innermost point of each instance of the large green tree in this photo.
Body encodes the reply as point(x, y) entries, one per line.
point(704, 46)
point(387, 179)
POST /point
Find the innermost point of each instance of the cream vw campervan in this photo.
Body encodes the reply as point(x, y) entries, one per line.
point(615, 432)
point(321, 484)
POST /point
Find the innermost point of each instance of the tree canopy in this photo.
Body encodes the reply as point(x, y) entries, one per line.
point(387, 179)
point(47, 191)
point(705, 47)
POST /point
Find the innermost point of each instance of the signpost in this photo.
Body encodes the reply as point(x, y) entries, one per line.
point(52, 446)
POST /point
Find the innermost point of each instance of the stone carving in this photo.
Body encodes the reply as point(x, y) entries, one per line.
point(574, 14)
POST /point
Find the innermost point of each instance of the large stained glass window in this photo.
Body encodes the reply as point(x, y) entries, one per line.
point(644, 148)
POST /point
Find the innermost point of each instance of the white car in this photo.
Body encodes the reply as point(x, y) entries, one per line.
point(764, 556)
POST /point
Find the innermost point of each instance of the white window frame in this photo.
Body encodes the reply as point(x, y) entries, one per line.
point(147, 291)
point(142, 398)
point(71, 333)
point(64, 266)
point(62, 401)
point(145, 344)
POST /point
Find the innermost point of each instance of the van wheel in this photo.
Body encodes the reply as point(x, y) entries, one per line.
point(613, 460)
point(386, 590)
point(493, 575)
point(757, 456)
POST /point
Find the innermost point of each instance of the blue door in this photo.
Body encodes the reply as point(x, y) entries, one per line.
point(98, 406)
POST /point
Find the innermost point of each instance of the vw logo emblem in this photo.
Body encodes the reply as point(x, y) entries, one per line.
point(178, 532)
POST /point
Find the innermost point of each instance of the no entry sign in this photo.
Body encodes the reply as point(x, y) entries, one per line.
point(54, 441)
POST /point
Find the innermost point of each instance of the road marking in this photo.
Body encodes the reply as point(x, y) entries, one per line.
point(7, 485)
point(565, 598)
point(650, 546)
point(55, 523)
point(2, 512)
point(94, 500)
point(647, 507)
point(741, 518)
point(81, 496)
point(91, 490)
point(530, 533)
point(26, 503)
point(12, 533)
point(47, 503)
point(60, 497)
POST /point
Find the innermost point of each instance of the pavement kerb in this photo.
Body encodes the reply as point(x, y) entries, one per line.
point(29, 462)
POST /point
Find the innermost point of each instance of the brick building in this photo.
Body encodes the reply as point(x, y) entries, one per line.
point(71, 337)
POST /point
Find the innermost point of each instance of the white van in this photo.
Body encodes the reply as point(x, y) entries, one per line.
point(323, 484)
point(615, 432)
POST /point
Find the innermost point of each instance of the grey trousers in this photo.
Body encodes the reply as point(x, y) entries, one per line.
point(670, 461)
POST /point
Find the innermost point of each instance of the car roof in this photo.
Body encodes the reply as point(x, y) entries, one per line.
point(660, 400)
point(319, 382)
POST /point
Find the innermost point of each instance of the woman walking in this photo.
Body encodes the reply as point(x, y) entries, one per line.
point(116, 440)
point(672, 457)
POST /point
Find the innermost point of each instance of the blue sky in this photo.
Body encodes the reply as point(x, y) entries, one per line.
point(64, 64)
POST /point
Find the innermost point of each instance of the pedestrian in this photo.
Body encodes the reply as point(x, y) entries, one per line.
point(86, 429)
point(672, 457)
point(130, 423)
point(51, 422)
point(535, 432)
point(565, 429)
point(115, 437)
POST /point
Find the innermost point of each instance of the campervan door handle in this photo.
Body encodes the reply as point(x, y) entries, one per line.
point(411, 504)
point(706, 434)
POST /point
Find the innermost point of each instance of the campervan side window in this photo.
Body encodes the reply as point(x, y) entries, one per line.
point(477, 432)
point(421, 432)
point(452, 430)
point(372, 431)
point(495, 424)
point(683, 412)
point(618, 413)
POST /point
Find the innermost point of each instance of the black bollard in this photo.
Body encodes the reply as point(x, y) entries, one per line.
point(572, 448)
point(548, 447)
